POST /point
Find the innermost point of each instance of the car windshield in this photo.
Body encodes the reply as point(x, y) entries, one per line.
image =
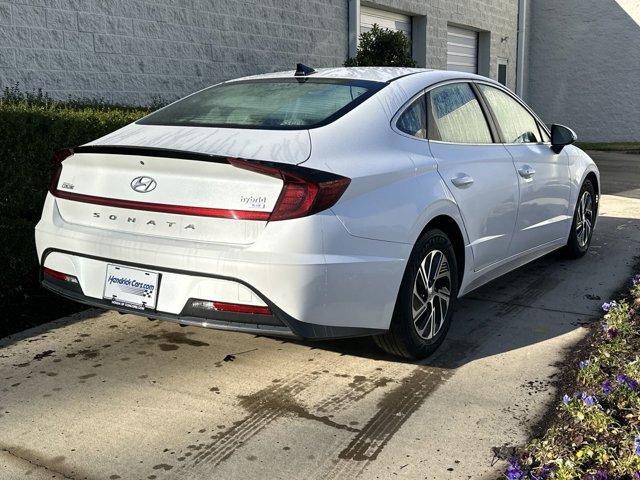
point(281, 103)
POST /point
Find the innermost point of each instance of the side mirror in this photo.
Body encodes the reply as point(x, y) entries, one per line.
point(561, 136)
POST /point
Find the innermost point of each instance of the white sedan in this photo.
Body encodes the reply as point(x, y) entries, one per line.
point(317, 204)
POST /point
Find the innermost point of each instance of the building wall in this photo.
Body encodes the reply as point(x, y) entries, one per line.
point(496, 20)
point(135, 51)
point(584, 66)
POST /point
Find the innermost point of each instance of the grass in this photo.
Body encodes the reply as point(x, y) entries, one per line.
point(596, 433)
point(626, 147)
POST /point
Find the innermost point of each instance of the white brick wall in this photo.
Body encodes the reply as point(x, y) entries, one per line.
point(134, 51)
point(495, 19)
point(584, 66)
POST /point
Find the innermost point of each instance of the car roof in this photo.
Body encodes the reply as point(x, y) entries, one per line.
point(377, 74)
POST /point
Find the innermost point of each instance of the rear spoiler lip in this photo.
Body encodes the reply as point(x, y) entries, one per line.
point(311, 173)
point(150, 152)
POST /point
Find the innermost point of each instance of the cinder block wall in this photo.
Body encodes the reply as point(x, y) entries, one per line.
point(496, 20)
point(134, 51)
point(584, 66)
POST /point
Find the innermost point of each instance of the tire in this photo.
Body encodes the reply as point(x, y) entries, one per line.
point(404, 338)
point(584, 216)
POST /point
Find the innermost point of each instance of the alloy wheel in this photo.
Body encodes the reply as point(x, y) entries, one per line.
point(431, 294)
point(584, 221)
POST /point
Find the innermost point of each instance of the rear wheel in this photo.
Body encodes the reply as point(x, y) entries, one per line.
point(425, 302)
point(583, 220)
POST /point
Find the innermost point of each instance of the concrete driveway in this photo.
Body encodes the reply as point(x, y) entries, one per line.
point(104, 396)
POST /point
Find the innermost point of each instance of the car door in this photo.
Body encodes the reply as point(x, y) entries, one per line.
point(479, 172)
point(543, 213)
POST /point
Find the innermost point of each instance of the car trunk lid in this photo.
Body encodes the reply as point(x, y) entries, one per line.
point(171, 194)
point(283, 146)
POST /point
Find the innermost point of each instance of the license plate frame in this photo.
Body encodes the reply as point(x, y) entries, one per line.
point(131, 287)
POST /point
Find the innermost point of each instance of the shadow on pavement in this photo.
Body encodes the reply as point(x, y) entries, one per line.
point(545, 299)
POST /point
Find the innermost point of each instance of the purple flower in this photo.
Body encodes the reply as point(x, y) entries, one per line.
point(636, 445)
point(612, 333)
point(544, 474)
point(607, 388)
point(584, 364)
point(547, 470)
point(599, 475)
point(590, 400)
point(627, 381)
point(635, 280)
point(566, 399)
point(606, 306)
point(514, 472)
point(636, 476)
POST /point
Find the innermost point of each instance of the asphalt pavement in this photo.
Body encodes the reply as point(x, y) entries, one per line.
point(106, 396)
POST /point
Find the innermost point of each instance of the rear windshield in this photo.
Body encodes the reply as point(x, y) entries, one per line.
point(283, 103)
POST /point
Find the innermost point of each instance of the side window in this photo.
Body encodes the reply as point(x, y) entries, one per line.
point(515, 122)
point(455, 115)
point(413, 120)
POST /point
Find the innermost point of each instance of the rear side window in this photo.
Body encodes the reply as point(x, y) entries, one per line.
point(282, 103)
point(413, 120)
point(455, 115)
point(515, 122)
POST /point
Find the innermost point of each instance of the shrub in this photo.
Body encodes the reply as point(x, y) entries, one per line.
point(33, 126)
point(382, 47)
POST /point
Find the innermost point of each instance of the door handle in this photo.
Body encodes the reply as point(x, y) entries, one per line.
point(526, 171)
point(462, 180)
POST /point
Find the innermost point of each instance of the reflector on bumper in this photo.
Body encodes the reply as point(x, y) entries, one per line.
point(63, 277)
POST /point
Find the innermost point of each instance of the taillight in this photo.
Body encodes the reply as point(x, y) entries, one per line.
point(63, 277)
point(58, 158)
point(305, 191)
point(230, 307)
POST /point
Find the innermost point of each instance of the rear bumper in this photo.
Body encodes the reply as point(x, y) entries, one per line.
point(277, 324)
point(311, 273)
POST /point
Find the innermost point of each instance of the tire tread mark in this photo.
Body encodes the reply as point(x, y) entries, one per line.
point(394, 409)
point(226, 442)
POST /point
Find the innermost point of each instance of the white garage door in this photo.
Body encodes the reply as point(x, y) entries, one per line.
point(462, 49)
point(384, 19)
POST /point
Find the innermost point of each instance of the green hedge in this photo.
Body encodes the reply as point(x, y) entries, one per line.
point(31, 129)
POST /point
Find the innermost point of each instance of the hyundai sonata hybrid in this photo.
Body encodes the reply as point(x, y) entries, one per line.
point(317, 204)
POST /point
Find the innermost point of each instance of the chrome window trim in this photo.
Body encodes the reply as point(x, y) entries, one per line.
point(491, 144)
point(523, 144)
point(403, 108)
point(487, 82)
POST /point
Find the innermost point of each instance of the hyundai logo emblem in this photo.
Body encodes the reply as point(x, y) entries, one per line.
point(143, 184)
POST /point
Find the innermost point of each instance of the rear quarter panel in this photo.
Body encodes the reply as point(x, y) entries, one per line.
point(388, 199)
